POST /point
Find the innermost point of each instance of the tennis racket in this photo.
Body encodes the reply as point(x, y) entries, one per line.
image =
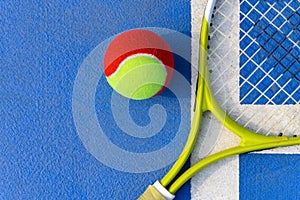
point(277, 126)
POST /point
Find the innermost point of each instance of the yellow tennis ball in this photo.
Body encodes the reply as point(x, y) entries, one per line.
point(140, 76)
point(138, 64)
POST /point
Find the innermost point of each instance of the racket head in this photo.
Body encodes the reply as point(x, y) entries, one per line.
point(224, 66)
point(226, 69)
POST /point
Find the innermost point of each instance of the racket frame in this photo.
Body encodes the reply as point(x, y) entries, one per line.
point(205, 101)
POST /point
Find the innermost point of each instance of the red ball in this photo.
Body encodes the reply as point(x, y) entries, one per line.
point(138, 41)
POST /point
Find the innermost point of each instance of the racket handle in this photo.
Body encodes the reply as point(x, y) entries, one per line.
point(156, 192)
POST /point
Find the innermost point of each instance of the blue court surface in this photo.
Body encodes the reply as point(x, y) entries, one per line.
point(62, 135)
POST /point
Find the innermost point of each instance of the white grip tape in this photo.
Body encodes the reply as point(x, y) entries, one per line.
point(163, 191)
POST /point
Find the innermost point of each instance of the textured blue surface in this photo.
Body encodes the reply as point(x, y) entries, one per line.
point(269, 59)
point(42, 46)
point(269, 176)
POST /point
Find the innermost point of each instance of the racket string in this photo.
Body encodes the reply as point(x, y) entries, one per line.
point(271, 38)
point(271, 22)
point(224, 59)
point(215, 62)
point(250, 59)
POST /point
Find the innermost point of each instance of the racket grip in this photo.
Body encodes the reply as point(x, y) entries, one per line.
point(156, 192)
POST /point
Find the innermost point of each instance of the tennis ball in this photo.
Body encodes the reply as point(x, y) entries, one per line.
point(138, 64)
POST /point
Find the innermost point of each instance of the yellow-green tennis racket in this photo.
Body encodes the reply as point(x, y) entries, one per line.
point(206, 101)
